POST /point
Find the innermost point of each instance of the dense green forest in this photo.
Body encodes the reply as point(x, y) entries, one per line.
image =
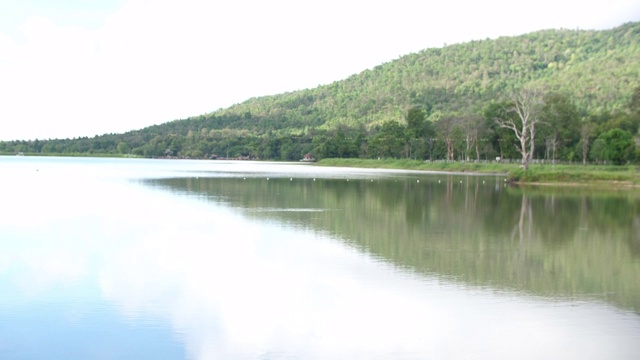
point(438, 104)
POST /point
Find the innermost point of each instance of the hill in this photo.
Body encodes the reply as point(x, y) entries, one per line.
point(598, 69)
point(596, 72)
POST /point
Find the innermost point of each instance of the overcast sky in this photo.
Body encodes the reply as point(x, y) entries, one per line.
point(73, 68)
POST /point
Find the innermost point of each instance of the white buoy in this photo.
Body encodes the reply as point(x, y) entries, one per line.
point(438, 181)
point(314, 179)
point(290, 179)
point(267, 179)
point(417, 180)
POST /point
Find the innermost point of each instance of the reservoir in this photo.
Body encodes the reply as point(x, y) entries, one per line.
point(190, 259)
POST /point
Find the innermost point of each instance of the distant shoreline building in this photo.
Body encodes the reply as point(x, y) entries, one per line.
point(308, 158)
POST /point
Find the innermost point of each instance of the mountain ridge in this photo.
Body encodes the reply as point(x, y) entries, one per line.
point(596, 69)
point(487, 69)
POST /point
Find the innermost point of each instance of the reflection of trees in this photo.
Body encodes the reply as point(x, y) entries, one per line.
point(526, 216)
point(634, 239)
point(572, 242)
point(523, 230)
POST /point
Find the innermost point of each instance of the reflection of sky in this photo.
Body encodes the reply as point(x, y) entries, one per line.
point(88, 265)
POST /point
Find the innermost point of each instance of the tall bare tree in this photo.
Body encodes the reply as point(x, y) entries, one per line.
point(472, 127)
point(522, 118)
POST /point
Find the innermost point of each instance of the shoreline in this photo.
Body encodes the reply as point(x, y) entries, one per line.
point(566, 175)
point(623, 176)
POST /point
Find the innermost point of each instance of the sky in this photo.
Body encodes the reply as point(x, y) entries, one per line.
point(72, 68)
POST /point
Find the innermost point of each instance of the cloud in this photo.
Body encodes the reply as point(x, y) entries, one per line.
point(148, 62)
point(242, 289)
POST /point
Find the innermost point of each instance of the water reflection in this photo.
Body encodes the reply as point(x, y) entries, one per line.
point(252, 290)
point(572, 243)
point(371, 268)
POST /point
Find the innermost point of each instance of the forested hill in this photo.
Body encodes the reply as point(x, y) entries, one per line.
point(597, 71)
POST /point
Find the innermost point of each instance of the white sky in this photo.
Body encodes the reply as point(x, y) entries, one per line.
point(73, 68)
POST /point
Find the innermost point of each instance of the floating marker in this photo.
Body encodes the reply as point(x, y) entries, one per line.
point(417, 180)
point(438, 181)
point(290, 179)
point(314, 179)
point(267, 179)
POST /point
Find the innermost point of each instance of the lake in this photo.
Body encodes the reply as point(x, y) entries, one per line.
point(168, 259)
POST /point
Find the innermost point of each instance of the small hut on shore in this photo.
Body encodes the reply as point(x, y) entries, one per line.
point(308, 158)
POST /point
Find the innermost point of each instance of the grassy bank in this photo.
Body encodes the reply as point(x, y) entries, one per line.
point(408, 164)
point(537, 173)
point(577, 174)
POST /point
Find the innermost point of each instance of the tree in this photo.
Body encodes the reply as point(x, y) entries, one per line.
point(123, 147)
point(560, 116)
point(525, 104)
point(634, 104)
point(446, 130)
point(621, 121)
point(429, 137)
point(618, 145)
point(415, 128)
point(360, 143)
point(500, 139)
point(587, 133)
point(323, 147)
point(344, 145)
point(389, 141)
point(472, 127)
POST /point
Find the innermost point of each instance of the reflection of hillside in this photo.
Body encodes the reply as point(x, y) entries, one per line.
point(562, 242)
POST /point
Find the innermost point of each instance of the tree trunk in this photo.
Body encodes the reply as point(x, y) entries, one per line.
point(585, 151)
point(523, 151)
point(532, 142)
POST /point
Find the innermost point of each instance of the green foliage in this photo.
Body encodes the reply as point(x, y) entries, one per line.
point(416, 123)
point(123, 147)
point(389, 142)
point(619, 146)
point(560, 128)
point(585, 74)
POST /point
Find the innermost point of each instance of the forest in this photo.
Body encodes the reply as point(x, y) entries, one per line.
point(455, 103)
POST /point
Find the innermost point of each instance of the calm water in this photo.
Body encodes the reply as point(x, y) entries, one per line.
point(154, 259)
